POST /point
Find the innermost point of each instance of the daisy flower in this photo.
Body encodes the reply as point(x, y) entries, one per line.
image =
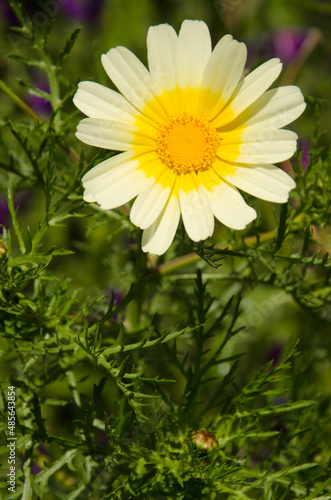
point(191, 132)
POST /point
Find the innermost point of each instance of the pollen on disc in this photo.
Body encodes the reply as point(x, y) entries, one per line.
point(187, 143)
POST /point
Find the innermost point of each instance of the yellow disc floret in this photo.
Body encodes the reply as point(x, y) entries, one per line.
point(187, 143)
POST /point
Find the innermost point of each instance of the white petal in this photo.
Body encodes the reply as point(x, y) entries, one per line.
point(229, 206)
point(149, 204)
point(267, 182)
point(224, 70)
point(196, 212)
point(158, 237)
point(274, 109)
point(123, 191)
point(249, 90)
point(112, 186)
point(105, 134)
point(261, 146)
point(107, 165)
point(133, 79)
point(195, 50)
point(88, 197)
point(97, 101)
point(162, 45)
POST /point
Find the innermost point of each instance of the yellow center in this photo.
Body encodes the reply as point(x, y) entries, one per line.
point(187, 143)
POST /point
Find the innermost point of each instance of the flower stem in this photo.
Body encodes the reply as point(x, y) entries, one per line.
point(190, 258)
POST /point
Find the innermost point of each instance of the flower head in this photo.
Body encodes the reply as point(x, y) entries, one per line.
point(191, 131)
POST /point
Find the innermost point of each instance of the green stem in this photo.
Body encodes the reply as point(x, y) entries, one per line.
point(54, 89)
point(52, 74)
point(19, 102)
point(190, 258)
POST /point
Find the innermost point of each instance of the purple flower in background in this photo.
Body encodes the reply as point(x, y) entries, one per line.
point(35, 469)
point(117, 296)
point(7, 14)
point(287, 44)
point(86, 11)
point(274, 354)
point(82, 10)
point(20, 200)
point(305, 149)
point(40, 455)
point(39, 104)
point(4, 213)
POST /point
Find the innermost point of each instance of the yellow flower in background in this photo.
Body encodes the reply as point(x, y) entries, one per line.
point(191, 131)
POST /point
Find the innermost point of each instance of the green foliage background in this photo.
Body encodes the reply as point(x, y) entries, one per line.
point(117, 357)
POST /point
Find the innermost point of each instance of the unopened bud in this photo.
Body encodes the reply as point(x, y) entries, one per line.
point(204, 439)
point(3, 250)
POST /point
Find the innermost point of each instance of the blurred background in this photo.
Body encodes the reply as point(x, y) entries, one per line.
point(106, 254)
point(296, 31)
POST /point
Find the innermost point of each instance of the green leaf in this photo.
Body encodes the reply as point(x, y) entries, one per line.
point(43, 477)
point(28, 479)
point(39, 421)
point(13, 215)
point(275, 410)
point(146, 344)
point(68, 46)
point(291, 470)
point(30, 260)
point(27, 60)
point(282, 226)
point(32, 90)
